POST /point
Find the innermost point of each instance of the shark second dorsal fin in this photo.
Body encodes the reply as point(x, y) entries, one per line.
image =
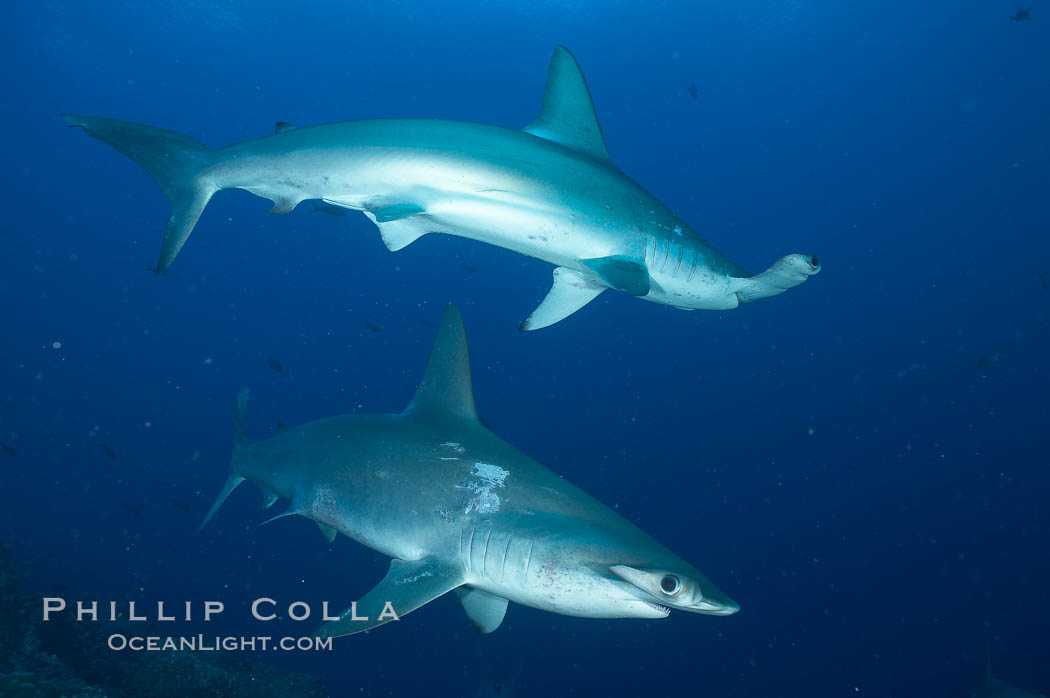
point(282, 126)
point(567, 116)
point(445, 390)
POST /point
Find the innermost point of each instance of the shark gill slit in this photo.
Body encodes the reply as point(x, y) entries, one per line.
point(503, 566)
point(681, 256)
point(470, 548)
point(528, 561)
point(667, 255)
point(692, 270)
point(485, 555)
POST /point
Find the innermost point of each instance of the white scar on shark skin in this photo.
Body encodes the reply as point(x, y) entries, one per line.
point(516, 189)
point(485, 500)
point(496, 528)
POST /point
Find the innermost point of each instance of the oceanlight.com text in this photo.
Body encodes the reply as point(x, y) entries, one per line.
point(216, 643)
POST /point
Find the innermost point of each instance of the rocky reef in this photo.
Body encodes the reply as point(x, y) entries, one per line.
point(67, 659)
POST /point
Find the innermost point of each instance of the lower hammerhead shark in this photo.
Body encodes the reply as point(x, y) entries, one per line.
point(458, 508)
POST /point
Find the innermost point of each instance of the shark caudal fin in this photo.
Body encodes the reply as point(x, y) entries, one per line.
point(785, 273)
point(175, 163)
point(240, 440)
point(446, 390)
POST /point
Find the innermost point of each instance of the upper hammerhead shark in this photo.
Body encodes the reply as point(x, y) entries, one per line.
point(549, 191)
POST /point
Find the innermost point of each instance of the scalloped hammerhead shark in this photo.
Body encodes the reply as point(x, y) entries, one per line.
point(548, 191)
point(458, 508)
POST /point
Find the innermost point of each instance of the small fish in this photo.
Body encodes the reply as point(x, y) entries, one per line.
point(373, 326)
point(108, 451)
point(9, 450)
point(179, 504)
point(281, 426)
point(275, 365)
point(130, 507)
point(1022, 15)
point(471, 268)
point(987, 359)
point(694, 92)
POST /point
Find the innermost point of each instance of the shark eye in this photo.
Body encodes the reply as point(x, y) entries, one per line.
point(670, 584)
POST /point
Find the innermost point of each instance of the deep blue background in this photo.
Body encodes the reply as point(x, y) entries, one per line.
point(831, 458)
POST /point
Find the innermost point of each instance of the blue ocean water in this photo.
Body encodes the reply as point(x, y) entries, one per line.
point(861, 463)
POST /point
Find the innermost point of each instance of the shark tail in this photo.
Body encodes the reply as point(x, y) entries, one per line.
point(240, 440)
point(174, 161)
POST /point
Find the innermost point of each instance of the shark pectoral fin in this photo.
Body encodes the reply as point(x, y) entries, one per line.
point(394, 212)
point(327, 531)
point(407, 586)
point(484, 610)
point(570, 292)
point(622, 273)
point(786, 272)
point(396, 224)
point(567, 116)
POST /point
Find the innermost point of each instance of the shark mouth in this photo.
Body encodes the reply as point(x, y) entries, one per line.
point(662, 609)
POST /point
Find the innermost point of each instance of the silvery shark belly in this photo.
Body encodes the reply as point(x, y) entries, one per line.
point(549, 191)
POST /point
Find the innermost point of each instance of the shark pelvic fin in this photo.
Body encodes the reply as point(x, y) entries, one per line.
point(567, 116)
point(282, 126)
point(786, 272)
point(282, 204)
point(446, 386)
point(396, 224)
point(231, 484)
point(570, 292)
point(173, 160)
point(484, 610)
point(290, 511)
point(407, 586)
point(622, 273)
point(327, 531)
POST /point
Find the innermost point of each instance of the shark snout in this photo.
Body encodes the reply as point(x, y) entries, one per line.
point(718, 607)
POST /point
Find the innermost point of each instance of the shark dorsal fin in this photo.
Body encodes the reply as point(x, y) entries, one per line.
point(445, 390)
point(567, 116)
